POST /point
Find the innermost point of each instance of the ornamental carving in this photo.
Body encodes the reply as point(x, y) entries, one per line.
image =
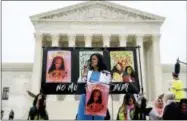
point(96, 12)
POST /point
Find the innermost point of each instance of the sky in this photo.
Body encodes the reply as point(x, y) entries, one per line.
point(18, 42)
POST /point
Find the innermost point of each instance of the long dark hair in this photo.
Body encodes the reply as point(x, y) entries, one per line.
point(101, 65)
point(42, 105)
point(53, 64)
point(127, 97)
point(116, 70)
point(42, 108)
point(36, 98)
point(132, 74)
point(184, 100)
point(91, 100)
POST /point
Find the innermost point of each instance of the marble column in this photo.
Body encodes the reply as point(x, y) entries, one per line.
point(88, 40)
point(157, 68)
point(139, 41)
point(55, 40)
point(106, 40)
point(35, 83)
point(71, 40)
point(123, 40)
point(148, 70)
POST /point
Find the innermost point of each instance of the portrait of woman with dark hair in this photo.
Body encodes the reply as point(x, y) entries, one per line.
point(117, 73)
point(97, 74)
point(95, 102)
point(57, 72)
point(128, 75)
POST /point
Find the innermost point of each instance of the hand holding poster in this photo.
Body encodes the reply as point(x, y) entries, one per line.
point(97, 99)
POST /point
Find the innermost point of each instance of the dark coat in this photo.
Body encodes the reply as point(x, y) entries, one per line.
point(11, 115)
point(171, 112)
point(33, 112)
point(182, 116)
point(141, 113)
point(107, 115)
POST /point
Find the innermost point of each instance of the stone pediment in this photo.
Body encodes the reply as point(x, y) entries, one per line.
point(96, 11)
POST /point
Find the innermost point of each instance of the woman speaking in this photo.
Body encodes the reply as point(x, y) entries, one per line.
point(97, 73)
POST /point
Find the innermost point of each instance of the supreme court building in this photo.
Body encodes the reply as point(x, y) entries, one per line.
point(88, 24)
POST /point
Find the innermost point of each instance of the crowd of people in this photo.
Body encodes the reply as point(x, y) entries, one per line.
point(165, 107)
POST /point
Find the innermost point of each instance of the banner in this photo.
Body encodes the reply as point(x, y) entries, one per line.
point(62, 69)
point(96, 99)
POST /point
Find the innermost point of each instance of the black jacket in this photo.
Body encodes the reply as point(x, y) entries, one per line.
point(33, 112)
point(171, 112)
point(107, 115)
point(140, 114)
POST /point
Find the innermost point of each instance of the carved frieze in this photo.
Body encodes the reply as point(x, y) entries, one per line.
point(96, 12)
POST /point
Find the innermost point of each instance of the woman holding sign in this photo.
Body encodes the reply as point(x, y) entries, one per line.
point(97, 74)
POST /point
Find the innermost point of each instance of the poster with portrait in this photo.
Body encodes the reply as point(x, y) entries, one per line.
point(96, 99)
point(58, 68)
point(122, 66)
point(84, 57)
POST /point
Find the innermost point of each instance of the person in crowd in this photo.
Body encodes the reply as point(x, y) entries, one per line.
point(126, 111)
point(177, 87)
point(117, 72)
point(38, 110)
point(157, 111)
point(183, 109)
point(57, 72)
point(128, 75)
point(141, 111)
point(95, 102)
point(107, 117)
point(171, 108)
point(97, 73)
point(2, 114)
point(11, 115)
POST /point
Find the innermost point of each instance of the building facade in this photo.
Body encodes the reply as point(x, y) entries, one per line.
point(88, 24)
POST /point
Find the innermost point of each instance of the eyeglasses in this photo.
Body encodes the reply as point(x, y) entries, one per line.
point(160, 101)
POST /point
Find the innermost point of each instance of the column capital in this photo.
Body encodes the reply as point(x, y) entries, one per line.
point(88, 40)
point(123, 35)
point(139, 40)
point(106, 35)
point(156, 37)
point(71, 40)
point(55, 34)
point(123, 40)
point(55, 39)
point(140, 35)
point(88, 35)
point(71, 34)
point(38, 35)
point(106, 40)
